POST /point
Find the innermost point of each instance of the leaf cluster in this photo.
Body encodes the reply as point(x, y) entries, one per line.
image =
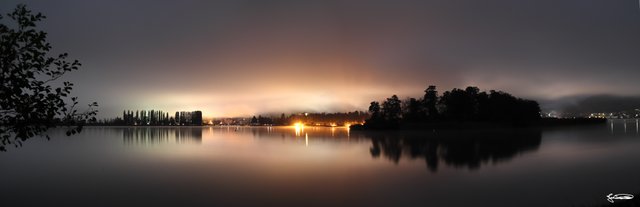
point(30, 103)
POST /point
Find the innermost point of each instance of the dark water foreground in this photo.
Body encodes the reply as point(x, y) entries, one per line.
point(287, 166)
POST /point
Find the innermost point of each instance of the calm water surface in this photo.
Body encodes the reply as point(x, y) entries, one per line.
point(285, 166)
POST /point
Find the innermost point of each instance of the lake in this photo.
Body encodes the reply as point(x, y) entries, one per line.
point(321, 166)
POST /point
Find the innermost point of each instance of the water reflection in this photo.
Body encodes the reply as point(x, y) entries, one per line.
point(308, 133)
point(624, 124)
point(323, 167)
point(159, 135)
point(460, 149)
point(468, 149)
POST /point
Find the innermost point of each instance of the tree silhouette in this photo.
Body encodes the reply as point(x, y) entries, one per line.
point(468, 105)
point(254, 121)
point(430, 101)
point(376, 119)
point(413, 110)
point(29, 103)
point(391, 109)
point(459, 105)
point(374, 109)
point(505, 107)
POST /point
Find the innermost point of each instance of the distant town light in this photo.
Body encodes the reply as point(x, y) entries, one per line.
point(298, 127)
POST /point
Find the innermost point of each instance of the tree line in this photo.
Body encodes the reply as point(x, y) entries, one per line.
point(154, 118)
point(457, 105)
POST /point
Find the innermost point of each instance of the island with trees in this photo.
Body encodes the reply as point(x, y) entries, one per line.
point(459, 108)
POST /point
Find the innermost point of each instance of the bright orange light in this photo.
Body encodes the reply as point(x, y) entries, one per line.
point(299, 127)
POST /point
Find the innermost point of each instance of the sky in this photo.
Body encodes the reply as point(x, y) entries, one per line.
point(245, 57)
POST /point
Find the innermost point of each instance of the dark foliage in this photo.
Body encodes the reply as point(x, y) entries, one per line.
point(391, 109)
point(413, 110)
point(254, 121)
point(430, 102)
point(29, 103)
point(379, 118)
point(457, 105)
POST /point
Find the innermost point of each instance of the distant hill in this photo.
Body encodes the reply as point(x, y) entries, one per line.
point(592, 103)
